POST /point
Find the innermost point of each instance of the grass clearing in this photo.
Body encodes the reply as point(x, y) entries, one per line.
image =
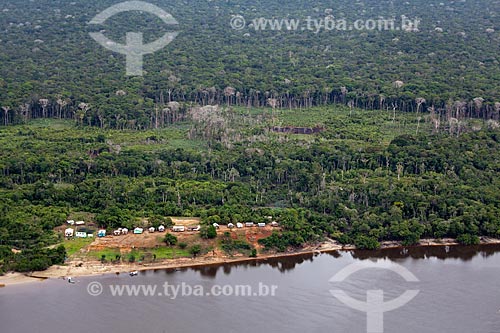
point(74, 246)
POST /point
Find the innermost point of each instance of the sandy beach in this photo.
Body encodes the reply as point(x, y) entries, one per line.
point(17, 278)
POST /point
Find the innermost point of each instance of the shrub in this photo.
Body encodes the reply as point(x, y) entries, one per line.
point(170, 240)
point(195, 250)
point(209, 232)
point(468, 239)
point(363, 242)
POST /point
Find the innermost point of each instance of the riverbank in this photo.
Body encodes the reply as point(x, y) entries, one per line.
point(95, 268)
point(17, 278)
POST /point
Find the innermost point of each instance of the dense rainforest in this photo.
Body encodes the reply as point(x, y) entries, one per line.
point(365, 177)
point(51, 67)
point(358, 136)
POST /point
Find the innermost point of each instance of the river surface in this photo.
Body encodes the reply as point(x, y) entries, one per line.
point(459, 292)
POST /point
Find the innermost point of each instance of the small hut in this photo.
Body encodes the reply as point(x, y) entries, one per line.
point(69, 232)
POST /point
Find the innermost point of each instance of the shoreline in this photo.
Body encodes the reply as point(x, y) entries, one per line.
point(96, 268)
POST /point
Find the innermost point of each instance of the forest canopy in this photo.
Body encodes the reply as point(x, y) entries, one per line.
point(363, 179)
point(51, 67)
point(356, 136)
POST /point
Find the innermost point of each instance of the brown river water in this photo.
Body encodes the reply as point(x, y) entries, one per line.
point(459, 291)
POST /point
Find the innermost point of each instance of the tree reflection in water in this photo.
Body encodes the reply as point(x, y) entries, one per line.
point(285, 264)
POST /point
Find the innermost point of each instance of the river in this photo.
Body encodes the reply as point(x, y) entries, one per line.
point(459, 291)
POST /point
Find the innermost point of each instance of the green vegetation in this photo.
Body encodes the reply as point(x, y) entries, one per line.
point(406, 126)
point(169, 253)
point(208, 232)
point(105, 255)
point(148, 255)
point(47, 71)
point(31, 259)
point(170, 240)
point(364, 179)
point(195, 250)
point(74, 245)
point(468, 239)
point(230, 245)
point(364, 242)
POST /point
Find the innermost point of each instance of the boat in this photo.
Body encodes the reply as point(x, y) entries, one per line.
point(70, 280)
point(134, 273)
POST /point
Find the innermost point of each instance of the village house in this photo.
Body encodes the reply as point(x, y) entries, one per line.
point(81, 234)
point(178, 228)
point(69, 232)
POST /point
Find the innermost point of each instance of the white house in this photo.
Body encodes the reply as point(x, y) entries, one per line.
point(249, 224)
point(230, 225)
point(178, 228)
point(274, 224)
point(216, 225)
point(138, 231)
point(79, 222)
point(152, 229)
point(261, 225)
point(124, 231)
point(70, 222)
point(161, 228)
point(69, 232)
point(239, 225)
point(117, 232)
point(81, 234)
